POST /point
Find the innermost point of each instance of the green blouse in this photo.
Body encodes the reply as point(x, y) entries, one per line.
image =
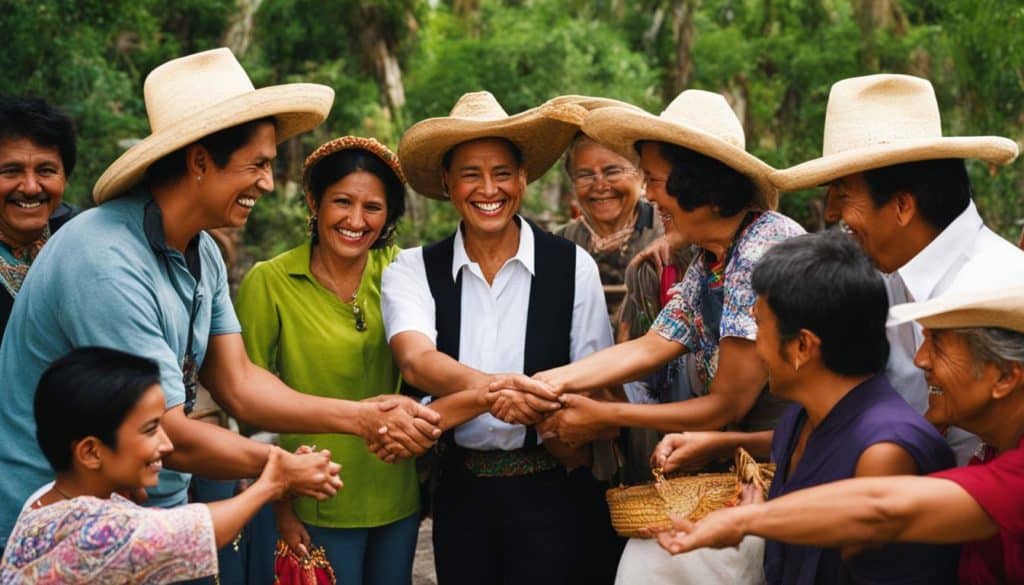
point(294, 326)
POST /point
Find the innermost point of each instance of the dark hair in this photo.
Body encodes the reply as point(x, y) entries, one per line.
point(335, 167)
point(43, 124)
point(697, 180)
point(941, 187)
point(88, 392)
point(446, 160)
point(221, 145)
point(826, 284)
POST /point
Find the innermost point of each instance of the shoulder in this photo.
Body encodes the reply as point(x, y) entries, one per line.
point(573, 230)
point(763, 233)
point(408, 259)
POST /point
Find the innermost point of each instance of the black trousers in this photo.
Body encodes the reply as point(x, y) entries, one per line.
point(546, 528)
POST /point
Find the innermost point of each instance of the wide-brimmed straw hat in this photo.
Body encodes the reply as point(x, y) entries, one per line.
point(350, 143)
point(881, 120)
point(1003, 308)
point(197, 95)
point(479, 115)
point(701, 121)
point(574, 108)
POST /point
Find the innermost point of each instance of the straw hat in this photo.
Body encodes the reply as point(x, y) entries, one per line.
point(197, 95)
point(350, 143)
point(699, 120)
point(1001, 308)
point(882, 120)
point(479, 115)
point(573, 109)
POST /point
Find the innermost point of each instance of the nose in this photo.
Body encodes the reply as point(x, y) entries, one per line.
point(265, 182)
point(833, 211)
point(358, 217)
point(490, 186)
point(923, 357)
point(31, 184)
point(165, 446)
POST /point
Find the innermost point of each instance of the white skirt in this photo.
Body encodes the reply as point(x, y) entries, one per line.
point(643, 562)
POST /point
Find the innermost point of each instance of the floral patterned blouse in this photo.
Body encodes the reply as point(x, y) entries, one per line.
point(689, 318)
point(89, 540)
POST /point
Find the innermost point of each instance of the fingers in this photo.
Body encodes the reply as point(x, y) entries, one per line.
point(521, 383)
point(541, 405)
point(423, 412)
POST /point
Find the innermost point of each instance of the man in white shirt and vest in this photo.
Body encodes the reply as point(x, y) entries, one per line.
point(498, 296)
point(902, 191)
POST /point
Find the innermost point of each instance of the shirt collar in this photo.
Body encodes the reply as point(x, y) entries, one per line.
point(524, 254)
point(925, 270)
point(153, 227)
point(296, 261)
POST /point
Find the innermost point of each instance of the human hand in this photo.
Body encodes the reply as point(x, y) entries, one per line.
point(719, 529)
point(687, 451)
point(520, 383)
point(310, 474)
point(395, 426)
point(557, 380)
point(658, 253)
point(291, 529)
point(580, 421)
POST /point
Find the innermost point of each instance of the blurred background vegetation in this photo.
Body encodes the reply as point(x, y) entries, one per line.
point(394, 62)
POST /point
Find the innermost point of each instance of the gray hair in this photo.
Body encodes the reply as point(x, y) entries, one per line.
point(994, 345)
point(581, 138)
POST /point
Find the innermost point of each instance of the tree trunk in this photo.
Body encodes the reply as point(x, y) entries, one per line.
point(377, 48)
point(682, 35)
point(238, 37)
point(873, 16)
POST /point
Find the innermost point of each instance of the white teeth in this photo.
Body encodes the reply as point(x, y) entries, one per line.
point(248, 202)
point(28, 204)
point(935, 390)
point(350, 234)
point(666, 217)
point(490, 207)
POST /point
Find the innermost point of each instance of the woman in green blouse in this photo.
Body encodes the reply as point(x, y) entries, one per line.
point(313, 316)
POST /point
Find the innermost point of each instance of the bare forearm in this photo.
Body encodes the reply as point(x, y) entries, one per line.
point(439, 375)
point(759, 444)
point(269, 404)
point(459, 407)
point(229, 516)
point(705, 413)
point(625, 362)
point(213, 452)
point(872, 510)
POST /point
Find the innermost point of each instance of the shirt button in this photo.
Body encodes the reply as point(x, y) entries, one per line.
point(490, 428)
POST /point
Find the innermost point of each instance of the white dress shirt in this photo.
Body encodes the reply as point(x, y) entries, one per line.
point(966, 256)
point(492, 332)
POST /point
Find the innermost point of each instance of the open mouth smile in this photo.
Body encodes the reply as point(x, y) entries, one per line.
point(246, 202)
point(351, 235)
point(489, 208)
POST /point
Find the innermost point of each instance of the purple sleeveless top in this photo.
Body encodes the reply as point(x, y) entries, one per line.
point(873, 412)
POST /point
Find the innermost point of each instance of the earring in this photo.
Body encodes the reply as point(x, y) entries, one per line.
point(199, 178)
point(314, 234)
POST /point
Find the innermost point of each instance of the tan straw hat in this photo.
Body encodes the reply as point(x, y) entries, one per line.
point(574, 108)
point(1003, 308)
point(479, 115)
point(197, 95)
point(699, 120)
point(881, 120)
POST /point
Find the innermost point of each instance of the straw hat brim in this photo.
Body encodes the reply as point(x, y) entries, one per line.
point(421, 150)
point(1001, 308)
point(825, 169)
point(296, 107)
point(621, 128)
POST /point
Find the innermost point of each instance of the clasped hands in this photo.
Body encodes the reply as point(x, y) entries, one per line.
point(542, 400)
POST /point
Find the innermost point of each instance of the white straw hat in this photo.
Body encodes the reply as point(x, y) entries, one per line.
point(881, 120)
point(574, 108)
point(197, 95)
point(1003, 308)
point(479, 115)
point(701, 121)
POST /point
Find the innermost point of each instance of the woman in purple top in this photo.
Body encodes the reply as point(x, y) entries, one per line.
point(821, 313)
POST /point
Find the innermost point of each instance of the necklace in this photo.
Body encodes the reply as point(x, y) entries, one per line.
point(61, 492)
point(328, 277)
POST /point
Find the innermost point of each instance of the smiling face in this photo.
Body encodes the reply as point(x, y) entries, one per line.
point(875, 228)
point(771, 349)
point(687, 225)
point(141, 445)
point(351, 215)
point(607, 185)
point(959, 388)
point(486, 185)
point(228, 194)
point(32, 182)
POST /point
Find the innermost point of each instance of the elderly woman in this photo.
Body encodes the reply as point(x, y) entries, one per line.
point(825, 351)
point(98, 417)
point(973, 358)
point(313, 315)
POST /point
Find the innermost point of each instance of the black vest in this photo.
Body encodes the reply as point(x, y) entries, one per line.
point(549, 315)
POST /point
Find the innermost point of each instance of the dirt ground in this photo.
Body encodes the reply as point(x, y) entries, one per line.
point(423, 565)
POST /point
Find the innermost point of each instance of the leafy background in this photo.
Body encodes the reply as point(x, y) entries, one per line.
point(393, 62)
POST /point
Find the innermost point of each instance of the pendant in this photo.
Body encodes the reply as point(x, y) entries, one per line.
point(360, 320)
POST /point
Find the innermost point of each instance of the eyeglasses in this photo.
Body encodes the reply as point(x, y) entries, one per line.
point(586, 179)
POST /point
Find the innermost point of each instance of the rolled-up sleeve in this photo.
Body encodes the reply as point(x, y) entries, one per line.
point(406, 301)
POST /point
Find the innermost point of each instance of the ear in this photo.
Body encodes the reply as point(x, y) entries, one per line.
point(87, 453)
point(906, 207)
point(805, 347)
point(311, 203)
point(1010, 380)
point(197, 158)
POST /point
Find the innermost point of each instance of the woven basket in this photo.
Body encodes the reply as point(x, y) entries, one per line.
point(691, 496)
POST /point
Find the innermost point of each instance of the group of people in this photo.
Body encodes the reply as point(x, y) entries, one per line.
point(478, 378)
